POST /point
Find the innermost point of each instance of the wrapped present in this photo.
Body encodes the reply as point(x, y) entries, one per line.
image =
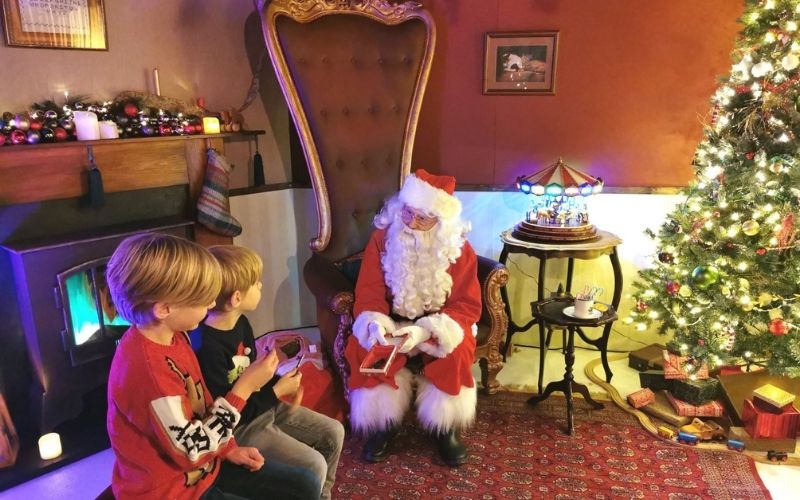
point(765, 444)
point(771, 398)
point(661, 408)
point(696, 392)
point(762, 424)
point(647, 358)
point(641, 397)
point(675, 367)
point(710, 409)
point(654, 380)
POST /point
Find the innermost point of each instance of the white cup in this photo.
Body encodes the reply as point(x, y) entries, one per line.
point(583, 307)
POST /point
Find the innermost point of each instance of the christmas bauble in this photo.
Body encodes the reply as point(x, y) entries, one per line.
point(22, 122)
point(164, 129)
point(641, 306)
point(51, 124)
point(50, 115)
point(704, 276)
point(66, 124)
point(751, 227)
point(2, 139)
point(33, 137)
point(48, 135)
point(750, 155)
point(61, 134)
point(761, 251)
point(666, 257)
point(18, 137)
point(7, 117)
point(147, 130)
point(188, 129)
point(36, 125)
point(131, 109)
point(672, 287)
point(122, 120)
point(778, 326)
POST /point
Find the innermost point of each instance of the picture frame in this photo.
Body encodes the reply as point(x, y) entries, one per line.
point(55, 24)
point(520, 63)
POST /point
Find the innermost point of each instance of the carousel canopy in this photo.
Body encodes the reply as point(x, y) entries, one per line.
point(560, 178)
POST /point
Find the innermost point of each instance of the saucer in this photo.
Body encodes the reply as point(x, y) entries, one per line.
point(570, 311)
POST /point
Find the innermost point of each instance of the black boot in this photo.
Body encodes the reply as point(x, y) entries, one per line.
point(376, 449)
point(451, 449)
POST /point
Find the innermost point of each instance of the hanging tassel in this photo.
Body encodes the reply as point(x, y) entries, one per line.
point(95, 196)
point(258, 168)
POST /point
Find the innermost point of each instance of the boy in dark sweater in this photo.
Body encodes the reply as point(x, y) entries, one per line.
point(304, 444)
point(169, 437)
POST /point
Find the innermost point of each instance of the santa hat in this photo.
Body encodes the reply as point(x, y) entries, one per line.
point(431, 193)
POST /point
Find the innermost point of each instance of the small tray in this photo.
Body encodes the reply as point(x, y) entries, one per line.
point(570, 311)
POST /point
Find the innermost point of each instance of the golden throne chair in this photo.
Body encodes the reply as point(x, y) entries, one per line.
point(353, 73)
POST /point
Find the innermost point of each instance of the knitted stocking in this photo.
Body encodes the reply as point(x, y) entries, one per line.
point(212, 206)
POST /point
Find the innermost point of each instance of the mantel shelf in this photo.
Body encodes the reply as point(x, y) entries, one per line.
point(243, 134)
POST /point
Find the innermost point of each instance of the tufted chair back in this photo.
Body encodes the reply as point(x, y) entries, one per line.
point(353, 73)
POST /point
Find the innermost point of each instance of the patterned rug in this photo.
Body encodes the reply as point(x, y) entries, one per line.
point(518, 451)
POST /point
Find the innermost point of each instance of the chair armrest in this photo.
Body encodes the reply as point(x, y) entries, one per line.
point(328, 285)
point(493, 276)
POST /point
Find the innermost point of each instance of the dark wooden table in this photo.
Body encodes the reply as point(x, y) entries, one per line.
point(551, 313)
point(605, 244)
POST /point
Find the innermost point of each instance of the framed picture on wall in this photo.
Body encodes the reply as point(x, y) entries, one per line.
point(59, 24)
point(521, 62)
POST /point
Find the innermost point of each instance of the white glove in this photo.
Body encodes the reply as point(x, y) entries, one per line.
point(415, 335)
point(377, 334)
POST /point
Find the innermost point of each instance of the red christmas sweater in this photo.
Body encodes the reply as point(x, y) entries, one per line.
point(463, 305)
point(168, 437)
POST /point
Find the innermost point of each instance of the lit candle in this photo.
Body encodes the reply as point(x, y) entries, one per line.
point(50, 446)
point(86, 127)
point(210, 125)
point(156, 82)
point(108, 130)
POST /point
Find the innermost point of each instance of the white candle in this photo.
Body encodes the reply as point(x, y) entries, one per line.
point(86, 127)
point(50, 446)
point(108, 130)
point(155, 80)
point(210, 125)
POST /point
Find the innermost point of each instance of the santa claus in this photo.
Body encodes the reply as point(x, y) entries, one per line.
point(418, 288)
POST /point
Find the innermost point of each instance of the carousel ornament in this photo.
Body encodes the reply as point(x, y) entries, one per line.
point(558, 210)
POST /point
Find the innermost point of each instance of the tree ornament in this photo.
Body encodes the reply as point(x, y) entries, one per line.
point(130, 109)
point(778, 326)
point(48, 135)
point(50, 115)
point(18, 137)
point(672, 287)
point(704, 276)
point(22, 122)
point(685, 292)
point(60, 134)
point(751, 154)
point(675, 226)
point(751, 227)
point(36, 125)
point(2, 139)
point(728, 338)
point(761, 251)
point(33, 137)
point(66, 124)
point(765, 299)
point(641, 306)
point(790, 62)
point(666, 257)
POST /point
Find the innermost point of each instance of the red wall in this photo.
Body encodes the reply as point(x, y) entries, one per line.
point(633, 82)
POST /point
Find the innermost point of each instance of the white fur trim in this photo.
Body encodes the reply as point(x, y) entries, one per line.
point(438, 411)
point(419, 194)
point(381, 407)
point(361, 324)
point(444, 329)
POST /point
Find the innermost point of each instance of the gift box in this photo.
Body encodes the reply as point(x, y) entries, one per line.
point(647, 358)
point(696, 392)
point(675, 367)
point(378, 359)
point(710, 409)
point(661, 408)
point(763, 424)
point(772, 399)
point(766, 444)
point(641, 397)
point(654, 380)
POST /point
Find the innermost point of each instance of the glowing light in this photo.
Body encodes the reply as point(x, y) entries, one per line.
point(640, 327)
point(681, 322)
point(742, 266)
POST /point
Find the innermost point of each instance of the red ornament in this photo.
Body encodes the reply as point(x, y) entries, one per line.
point(750, 155)
point(673, 287)
point(61, 134)
point(2, 139)
point(36, 125)
point(130, 109)
point(18, 137)
point(164, 129)
point(188, 129)
point(641, 306)
point(701, 342)
point(778, 327)
point(761, 251)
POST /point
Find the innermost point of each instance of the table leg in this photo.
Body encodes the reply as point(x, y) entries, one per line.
point(570, 269)
point(543, 344)
point(569, 358)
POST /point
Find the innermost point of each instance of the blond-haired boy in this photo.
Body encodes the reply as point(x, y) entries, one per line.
point(303, 443)
point(168, 436)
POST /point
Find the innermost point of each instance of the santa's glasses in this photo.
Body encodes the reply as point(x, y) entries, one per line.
point(417, 219)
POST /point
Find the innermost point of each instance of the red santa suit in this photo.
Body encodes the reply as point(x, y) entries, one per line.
point(446, 391)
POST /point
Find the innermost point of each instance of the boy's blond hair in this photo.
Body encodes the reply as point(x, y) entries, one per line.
point(241, 269)
point(156, 267)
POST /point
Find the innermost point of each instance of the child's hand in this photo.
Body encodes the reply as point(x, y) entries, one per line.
point(256, 375)
point(248, 457)
point(288, 384)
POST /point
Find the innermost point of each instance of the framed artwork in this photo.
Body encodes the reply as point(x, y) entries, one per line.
point(522, 62)
point(55, 24)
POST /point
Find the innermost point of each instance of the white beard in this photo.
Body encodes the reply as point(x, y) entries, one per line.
point(415, 266)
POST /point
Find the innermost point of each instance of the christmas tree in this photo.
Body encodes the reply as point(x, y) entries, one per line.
point(726, 277)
